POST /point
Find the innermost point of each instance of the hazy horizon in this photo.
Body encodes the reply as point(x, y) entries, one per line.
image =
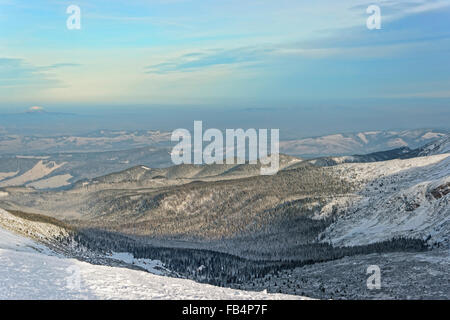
point(292, 122)
point(303, 67)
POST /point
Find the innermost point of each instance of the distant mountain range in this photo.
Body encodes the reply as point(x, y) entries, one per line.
point(227, 225)
point(359, 142)
point(215, 202)
point(96, 141)
point(114, 140)
point(53, 162)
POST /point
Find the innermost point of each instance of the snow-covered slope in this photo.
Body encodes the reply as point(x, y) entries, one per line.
point(359, 143)
point(14, 242)
point(33, 275)
point(143, 176)
point(30, 270)
point(40, 170)
point(42, 231)
point(441, 145)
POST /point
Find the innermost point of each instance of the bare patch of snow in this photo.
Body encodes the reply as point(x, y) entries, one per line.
point(53, 182)
point(5, 175)
point(40, 170)
point(152, 266)
point(432, 135)
point(363, 138)
point(396, 143)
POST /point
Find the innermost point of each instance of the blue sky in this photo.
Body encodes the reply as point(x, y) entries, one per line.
point(225, 52)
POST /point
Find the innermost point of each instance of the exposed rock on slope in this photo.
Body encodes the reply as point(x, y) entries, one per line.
point(408, 198)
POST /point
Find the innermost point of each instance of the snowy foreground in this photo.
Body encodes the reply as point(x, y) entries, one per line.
point(29, 270)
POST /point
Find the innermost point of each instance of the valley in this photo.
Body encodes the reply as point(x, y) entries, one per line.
point(228, 226)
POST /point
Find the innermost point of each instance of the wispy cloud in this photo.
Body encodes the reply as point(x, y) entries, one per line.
point(61, 65)
point(17, 72)
point(197, 60)
point(287, 49)
point(393, 9)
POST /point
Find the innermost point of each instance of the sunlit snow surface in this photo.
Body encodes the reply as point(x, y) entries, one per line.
point(396, 201)
point(29, 270)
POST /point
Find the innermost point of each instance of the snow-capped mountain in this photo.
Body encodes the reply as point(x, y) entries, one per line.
point(397, 198)
point(441, 145)
point(43, 170)
point(408, 197)
point(359, 142)
point(310, 216)
point(401, 197)
point(438, 146)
